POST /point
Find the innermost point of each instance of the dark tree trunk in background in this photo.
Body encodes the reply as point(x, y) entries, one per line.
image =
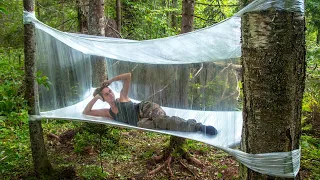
point(118, 14)
point(41, 162)
point(113, 27)
point(273, 61)
point(186, 26)
point(83, 11)
point(187, 16)
point(315, 119)
point(38, 10)
point(62, 28)
point(96, 26)
point(174, 22)
point(318, 36)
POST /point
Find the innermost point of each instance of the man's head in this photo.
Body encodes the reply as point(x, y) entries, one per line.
point(106, 93)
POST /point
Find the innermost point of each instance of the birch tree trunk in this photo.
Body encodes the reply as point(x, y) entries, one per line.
point(273, 61)
point(41, 162)
point(96, 26)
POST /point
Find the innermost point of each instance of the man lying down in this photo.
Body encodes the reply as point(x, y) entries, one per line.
point(144, 114)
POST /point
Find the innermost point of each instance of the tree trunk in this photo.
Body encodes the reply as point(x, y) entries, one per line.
point(113, 27)
point(187, 16)
point(315, 121)
point(318, 36)
point(186, 26)
point(273, 61)
point(118, 12)
point(83, 11)
point(38, 10)
point(62, 28)
point(96, 26)
point(41, 162)
point(174, 14)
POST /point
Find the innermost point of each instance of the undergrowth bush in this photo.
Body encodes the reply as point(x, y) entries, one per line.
point(91, 135)
point(15, 156)
point(310, 159)
point(13, 109)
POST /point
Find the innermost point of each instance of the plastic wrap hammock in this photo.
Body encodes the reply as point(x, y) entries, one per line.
point(211, 54)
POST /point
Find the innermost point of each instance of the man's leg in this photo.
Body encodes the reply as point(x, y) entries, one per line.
point(147, 112)
point(151, 110)
point(146, 123)
point(175, 123)
point(154, 117)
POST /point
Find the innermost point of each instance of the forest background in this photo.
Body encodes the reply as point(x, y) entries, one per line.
point(85, 156)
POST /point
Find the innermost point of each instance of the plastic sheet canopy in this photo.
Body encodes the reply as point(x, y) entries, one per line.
point(209, 57)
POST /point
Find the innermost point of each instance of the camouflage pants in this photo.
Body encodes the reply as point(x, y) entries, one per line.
point(152, 116)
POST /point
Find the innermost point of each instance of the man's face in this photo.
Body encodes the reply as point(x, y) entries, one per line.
point(108, 95)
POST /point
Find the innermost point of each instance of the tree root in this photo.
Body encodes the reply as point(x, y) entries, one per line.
point(186, 167)
point(176, 146)
point(194, 160)
point(168, 160)
point(166, 163)
point(64, 137)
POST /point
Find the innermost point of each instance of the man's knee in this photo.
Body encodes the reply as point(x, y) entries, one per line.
point(146, 123)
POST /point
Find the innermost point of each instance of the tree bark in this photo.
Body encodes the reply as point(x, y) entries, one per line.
point(96, 26)
point(315, 121)
point(318, 36)
point(83, 11)
point(186, 26)
point(38, 10)
point(118, 12)
point(174, 14)
point(41, 162)
point(187, 16)
point(273, 61)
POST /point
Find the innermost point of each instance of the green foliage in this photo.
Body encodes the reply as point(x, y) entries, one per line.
point(90, 136)
point(3, 7)
point(11, 33)
point(311, 145)
point(310, 159)
point(197, 146)
point(13, 109)
point(15, 155)
point(61, 15)
point(43, 80)
point(312, 12)
point(93, 172)
point(147, 20)
point(312, 93)
point(211, 12)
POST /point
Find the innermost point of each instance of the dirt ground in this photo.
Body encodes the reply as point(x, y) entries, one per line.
point(135, 160)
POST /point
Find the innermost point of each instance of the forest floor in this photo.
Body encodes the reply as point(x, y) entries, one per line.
point(129, 157)
point(133, 159)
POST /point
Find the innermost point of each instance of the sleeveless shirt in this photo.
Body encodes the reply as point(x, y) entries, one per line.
point(127, 112)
